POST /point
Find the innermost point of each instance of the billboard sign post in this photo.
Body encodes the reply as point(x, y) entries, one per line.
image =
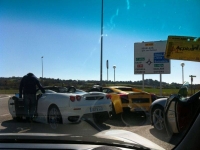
point(149, 58)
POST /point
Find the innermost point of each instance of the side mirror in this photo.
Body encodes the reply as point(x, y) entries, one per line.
point(183, 92)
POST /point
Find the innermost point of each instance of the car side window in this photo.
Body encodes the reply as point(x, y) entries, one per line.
point(105, 90)
point(110, 91)
point(63, 90)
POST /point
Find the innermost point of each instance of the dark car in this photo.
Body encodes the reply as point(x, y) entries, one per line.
point(180, 112)
point(175, 113)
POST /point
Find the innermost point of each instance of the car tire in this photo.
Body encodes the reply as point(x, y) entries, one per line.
point(54, 117)
point(114, 115)
point(158, 118)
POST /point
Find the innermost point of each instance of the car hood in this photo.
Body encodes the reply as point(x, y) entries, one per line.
point(161, 101)
point(120, 138)
point(128, 137)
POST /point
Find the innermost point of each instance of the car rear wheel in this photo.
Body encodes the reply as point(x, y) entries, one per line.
point(158, 118)
point(54, 117)
point(113, 112)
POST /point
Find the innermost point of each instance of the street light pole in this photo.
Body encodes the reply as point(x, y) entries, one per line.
point(182, 64)
point(107, 66)
point(101, 59)
point(42, 68)
point(191, 76)
point(114, 72)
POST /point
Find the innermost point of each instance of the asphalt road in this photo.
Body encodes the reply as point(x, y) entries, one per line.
point(133, 122)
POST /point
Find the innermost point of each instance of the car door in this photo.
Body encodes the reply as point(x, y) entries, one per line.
point(186, 110)
point(16, 106)
point(179, 112)
point(11, 106)
point(170, 115)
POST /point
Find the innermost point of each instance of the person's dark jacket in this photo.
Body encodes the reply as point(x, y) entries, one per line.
point(28, 85)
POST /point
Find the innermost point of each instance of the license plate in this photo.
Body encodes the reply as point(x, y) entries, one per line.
point(96, 109)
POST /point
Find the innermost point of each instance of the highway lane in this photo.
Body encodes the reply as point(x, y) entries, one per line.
point(136, 123)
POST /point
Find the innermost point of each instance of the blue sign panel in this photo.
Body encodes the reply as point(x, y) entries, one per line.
point(160, 58)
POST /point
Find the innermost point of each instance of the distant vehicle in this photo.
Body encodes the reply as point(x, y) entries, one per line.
point(60, 108)
point(131, 98)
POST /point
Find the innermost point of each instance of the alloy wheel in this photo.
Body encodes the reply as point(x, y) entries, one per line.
point(158, 119)
point(54, 117)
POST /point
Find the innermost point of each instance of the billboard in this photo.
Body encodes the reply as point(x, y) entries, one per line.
point(183, 48)
point(149, 58)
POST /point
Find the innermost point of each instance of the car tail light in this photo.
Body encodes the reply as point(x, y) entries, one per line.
point(124, 98)
point(72, 98)
point(78, 97)
point(108, 96)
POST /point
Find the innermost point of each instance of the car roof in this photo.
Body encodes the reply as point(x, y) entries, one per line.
point(118, 87)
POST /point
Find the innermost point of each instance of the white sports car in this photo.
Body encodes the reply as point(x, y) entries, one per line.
point(60, 108)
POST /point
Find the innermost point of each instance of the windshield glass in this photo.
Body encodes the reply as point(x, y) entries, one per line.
point(125, 89)
point(83, 43)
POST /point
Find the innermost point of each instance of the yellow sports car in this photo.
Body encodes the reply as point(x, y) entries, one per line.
point(132, 98)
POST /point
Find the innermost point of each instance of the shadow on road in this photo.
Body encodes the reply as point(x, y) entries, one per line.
point(128, 119)
point(11, 126)
point(162, 135)
point(122, 120)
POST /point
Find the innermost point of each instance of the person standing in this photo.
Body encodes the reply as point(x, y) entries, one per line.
point(27, 88)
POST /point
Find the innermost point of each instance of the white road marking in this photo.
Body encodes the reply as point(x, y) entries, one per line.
point(23, 130)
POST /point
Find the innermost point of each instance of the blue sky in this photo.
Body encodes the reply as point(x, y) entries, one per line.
point(67, 33)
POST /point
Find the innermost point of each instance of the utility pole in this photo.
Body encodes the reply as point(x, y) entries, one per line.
point(191, 76)
point(182, 65)
point(107, 66)
point(101, 55)
point(114, 72)
point(42, 69)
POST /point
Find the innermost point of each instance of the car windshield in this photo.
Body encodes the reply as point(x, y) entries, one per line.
point(125, 89)
point(103, 43)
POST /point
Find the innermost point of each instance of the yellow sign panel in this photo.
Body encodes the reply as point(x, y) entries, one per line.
point(183, 48)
